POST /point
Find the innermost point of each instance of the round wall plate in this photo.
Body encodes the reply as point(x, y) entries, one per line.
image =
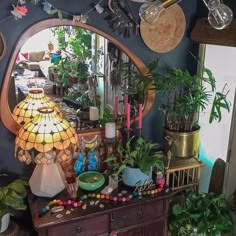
point(166, 32)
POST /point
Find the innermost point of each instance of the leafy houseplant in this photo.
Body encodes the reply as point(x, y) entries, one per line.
point(12, 197)
point(137, 155)
point(186, 96)
point(75, 44)
point(209, 213)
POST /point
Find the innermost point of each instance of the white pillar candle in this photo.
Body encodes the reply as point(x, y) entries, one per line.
point(93, 113)
point(110, 130)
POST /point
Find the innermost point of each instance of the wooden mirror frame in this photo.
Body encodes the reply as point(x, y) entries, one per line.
point(2, 40)
point(6, 115)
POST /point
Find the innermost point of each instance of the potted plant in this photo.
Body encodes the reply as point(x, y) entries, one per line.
point(85, 102)
point(75, 44)
point(135, 159)
point(187, 95)
point(203, 213)
point(11, 199)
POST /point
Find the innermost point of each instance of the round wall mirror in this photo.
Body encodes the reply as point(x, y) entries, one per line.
point(79, 67)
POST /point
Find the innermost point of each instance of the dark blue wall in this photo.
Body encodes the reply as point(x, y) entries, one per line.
point(12, 30)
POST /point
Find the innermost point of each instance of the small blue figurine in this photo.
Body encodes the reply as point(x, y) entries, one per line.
point(92, 162)
point(79, 164)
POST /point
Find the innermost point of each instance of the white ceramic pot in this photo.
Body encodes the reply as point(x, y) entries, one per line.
point(5, 222)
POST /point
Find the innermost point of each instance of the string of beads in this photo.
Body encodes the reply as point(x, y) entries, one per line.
point(114, 198)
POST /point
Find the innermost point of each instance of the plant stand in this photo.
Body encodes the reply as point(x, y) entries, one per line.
point(183, 173)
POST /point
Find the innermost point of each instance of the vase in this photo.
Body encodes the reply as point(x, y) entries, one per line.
point(5, 222)
point(181, 144)
point(134, 176)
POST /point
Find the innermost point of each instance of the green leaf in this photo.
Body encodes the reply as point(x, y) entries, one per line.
point(18, 186)
point(121, 168)
point(177, 210)
point(17, 204)
point(1, 194)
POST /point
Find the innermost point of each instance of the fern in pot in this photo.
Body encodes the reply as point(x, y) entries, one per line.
point(136, 158)
point(187, 96)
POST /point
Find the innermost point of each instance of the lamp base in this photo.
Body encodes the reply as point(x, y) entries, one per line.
point(47, 180)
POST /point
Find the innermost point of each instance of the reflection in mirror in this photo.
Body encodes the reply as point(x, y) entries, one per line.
point(79, 70)
point(104, 61)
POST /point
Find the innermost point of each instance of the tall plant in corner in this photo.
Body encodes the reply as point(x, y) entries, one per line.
point(186, 96)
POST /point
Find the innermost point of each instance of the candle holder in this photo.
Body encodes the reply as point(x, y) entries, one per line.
point(128, 132)
point(140, 132)
point(110, 145)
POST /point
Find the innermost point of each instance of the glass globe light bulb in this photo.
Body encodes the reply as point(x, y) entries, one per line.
point(150, 11)
point(220, 15)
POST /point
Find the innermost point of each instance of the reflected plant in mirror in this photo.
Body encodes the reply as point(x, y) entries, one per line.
point(78, 67)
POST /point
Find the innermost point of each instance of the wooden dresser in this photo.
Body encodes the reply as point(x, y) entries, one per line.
point(145, 217)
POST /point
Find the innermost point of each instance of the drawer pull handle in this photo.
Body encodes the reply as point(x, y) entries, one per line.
point(78, 230)
point(111, 218)
point(140, 214)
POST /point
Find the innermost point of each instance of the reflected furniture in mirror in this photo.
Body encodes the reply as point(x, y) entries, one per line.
point(114, 46)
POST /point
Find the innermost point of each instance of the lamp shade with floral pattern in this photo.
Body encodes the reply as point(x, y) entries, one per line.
point(45, 138)
point(27, 109)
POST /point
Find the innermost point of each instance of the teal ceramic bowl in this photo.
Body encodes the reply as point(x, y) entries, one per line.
point(91, 180)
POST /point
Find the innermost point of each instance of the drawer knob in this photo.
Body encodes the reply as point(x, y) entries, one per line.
point(111, 218)
point(78, 230)
point(140, 214)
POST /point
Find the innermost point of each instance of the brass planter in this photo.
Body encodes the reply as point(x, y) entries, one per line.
point(181, 144)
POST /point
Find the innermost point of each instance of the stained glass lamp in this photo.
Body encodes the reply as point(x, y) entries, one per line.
point(27, 109)
point(46, 140)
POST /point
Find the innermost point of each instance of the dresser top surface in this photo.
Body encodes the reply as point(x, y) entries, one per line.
point(49, 219)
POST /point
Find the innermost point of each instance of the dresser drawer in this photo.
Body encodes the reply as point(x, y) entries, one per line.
point(89, 227)
point(142, 213)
